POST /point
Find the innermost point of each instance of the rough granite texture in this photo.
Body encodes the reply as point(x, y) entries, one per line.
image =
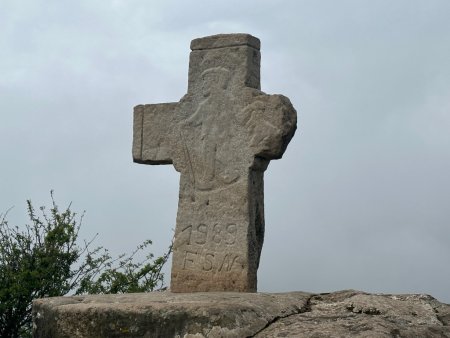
point(297, 314)
point(220, 137)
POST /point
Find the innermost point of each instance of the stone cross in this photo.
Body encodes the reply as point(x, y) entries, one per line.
point(220, 137)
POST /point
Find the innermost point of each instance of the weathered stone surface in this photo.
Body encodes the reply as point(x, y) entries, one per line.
point(357, 314)
point(297, 314)
point(162, 314)
point(220, 136)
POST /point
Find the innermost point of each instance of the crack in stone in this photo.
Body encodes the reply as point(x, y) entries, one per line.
point(304, 309)
point(436, 312)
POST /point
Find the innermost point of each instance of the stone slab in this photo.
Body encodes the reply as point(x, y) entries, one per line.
point(162, 314)
point(346, 313)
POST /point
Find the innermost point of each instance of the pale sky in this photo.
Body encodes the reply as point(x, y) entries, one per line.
point(361, 198)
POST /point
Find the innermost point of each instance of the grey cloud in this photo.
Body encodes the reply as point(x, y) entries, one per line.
point(360, 199)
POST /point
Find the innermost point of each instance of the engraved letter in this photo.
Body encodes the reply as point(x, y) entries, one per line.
point(189, 259)
point(225, 263)
point(217, 233)
point(203, 232)
point(231, 234)
point(236, 263)
point(189, 228)
point(208, 264)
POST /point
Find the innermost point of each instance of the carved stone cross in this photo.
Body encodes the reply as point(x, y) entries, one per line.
point(220, 137)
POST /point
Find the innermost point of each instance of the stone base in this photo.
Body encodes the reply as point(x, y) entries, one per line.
point(295, 314)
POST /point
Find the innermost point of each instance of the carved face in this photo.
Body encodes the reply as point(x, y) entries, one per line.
point(215, 80)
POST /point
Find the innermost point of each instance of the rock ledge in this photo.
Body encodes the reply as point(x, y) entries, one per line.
point(293, 314)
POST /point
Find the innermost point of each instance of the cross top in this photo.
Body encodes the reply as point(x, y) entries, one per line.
point(220, 136)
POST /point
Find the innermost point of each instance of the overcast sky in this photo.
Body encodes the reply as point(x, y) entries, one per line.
point(361, 198)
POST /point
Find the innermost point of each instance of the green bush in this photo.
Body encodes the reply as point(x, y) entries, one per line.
point(45, 259)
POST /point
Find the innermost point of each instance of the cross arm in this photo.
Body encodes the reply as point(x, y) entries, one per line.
point(152, 133)
point(271, 121)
